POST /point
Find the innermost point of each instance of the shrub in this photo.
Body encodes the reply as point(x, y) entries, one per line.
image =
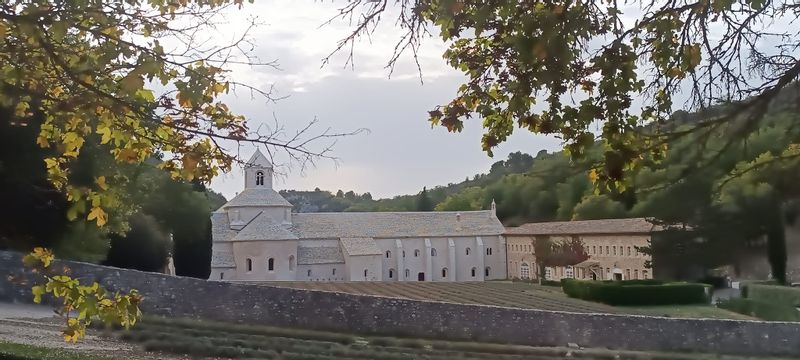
point(551, 283)
point(761, 309)
point(784, 295)
point(635, 292)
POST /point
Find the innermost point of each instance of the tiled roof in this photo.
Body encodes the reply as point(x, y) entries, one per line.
point(258, 159)
point(257, 197)
point(264, 228)
point(319, 255)
point(220, 228)
point(606, 226)
point(394, 224)
point(360, 246)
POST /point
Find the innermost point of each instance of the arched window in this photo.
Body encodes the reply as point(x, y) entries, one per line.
point(487, 271)
point(308, 272)
point(388, 254)
point(644, 274)
point(525, 271)
point(444, 273)
point(629, 251)
point(416, 252)
point(636, 274)
point(488, 251)
point(614, 249)
point(365, 273)
point(468, 251)
point(404, 253)
point(473, 272)
point(391, 273)
point(260, 178)
point(249, 265)
point(594, 250)
point(291, 262)
point(433, 252)
point(271, 264)
point(222, 276)
point(333, 272)
point(408, 273)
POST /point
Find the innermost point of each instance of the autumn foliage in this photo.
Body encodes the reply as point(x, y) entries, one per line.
point(79, 304)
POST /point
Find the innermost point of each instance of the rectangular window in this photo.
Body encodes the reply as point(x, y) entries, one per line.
point(629, 251)
point(607, 251)
point(636, 274)
point(615, 250)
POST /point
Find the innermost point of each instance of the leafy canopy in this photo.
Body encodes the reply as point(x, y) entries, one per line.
point(81, 304)
point(142, 76)
point(601, 70)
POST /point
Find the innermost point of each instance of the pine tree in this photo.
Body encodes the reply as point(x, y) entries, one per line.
point(423, 201)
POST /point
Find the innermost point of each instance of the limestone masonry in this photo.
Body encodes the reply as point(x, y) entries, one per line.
point(269, 305)
point(256, 237)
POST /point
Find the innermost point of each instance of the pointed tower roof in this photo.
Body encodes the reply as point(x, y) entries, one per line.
point(258, 159)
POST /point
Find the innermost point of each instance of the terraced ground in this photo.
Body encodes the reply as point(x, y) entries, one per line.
point(205, 339)
point(496, 293)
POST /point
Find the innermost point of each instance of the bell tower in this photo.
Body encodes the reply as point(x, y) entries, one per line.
point(258, 172)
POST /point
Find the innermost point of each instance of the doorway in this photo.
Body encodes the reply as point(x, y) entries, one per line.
point(421, 276)
point(618, 276)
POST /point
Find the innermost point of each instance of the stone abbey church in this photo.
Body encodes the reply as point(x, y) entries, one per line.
point(256, 237)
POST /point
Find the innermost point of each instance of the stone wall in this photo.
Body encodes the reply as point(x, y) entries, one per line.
point(186, 297)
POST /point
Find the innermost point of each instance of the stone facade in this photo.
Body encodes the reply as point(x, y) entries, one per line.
point(611, 245)
point(275, 306)
point(257, 238)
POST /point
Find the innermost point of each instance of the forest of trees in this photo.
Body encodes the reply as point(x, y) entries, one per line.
point(721, 200)
point(156, 215)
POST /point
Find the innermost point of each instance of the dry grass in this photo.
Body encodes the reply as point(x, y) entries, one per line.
point(235, 341)
point(518, 295)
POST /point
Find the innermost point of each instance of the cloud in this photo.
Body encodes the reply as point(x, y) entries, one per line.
point(402, 153)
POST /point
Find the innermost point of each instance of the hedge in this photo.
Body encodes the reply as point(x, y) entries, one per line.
point(785, 295)
point(761, 309)
point(551, 283)
point(637, 293)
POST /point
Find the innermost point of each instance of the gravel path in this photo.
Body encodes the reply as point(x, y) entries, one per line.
point(38, 325)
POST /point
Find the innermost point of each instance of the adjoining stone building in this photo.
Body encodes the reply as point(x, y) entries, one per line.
point(256, 237)
point(611, 245)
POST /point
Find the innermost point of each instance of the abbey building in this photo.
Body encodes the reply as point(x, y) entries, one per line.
point(256, 237)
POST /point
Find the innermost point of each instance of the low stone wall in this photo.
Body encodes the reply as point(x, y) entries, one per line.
point(193, 298)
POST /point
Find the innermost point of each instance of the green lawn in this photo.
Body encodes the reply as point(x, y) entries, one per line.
point(11, 351)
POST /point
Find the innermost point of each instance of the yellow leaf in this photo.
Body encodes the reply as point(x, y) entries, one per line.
point(101, 182)
point(105, 131)
point(42, 142)
point(37, 291)
point(128, 155)
point(21, 109)
point(593, 175)
point(99, 215)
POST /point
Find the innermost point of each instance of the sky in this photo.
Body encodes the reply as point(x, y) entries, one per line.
point(400, 153)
